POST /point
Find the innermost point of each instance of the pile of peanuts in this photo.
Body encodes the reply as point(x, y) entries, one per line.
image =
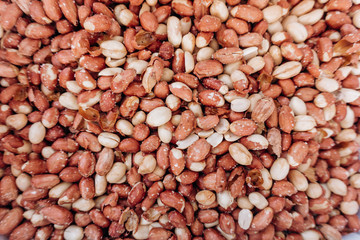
point(160, 119)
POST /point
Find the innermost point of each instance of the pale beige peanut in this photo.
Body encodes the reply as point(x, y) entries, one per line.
point(219, 9)
point(244, 203)
point(303, 7)
point(174, 31)
point(116, 173)
point(337, 186)
point(23, 181)
point(17, 121)
point(311, 17)
point(272, 13)
point(304, 123)
point(325, 84)
point(37, 133)
point(73, 232)
point(349, 208)
point(225, 199)
point(147, 164)
point(314, 190)
point(279, 169)
point(355, 180)
point(113, 49)
point(245, 218)
point(158, 116)
point(205, 197)
point(240, 154)
point(287, 70)
point(109, 140)
point(298, 180)
point(258, 200)
point(298, 106)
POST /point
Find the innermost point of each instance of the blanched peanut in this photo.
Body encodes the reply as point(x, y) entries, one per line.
point(337, 186)
point(303, 7)
point(17, 121)
point(298, 180)
point(188, 42)
point(147, 165)
point(240, 154)
point(59, 189)
point(279, 169)
point(240, 105)
point(109, 140)
point(258, 200)
point(83, 205)
point(304, 123)
point(314, 190)
point(69, 101)
point(244, 202)
point(298, 106)
point(37, 133)
point(138, 118)
point(23, 181)
point(355, 180)
point(100, 185)
point(116, 173)
point(225, 199)
point(113, 49)
point(174, 31)
point(257, 63)
point(272, 13)
point(158, 116)
point(245, 218)
point(205, 197)
point(73, 232)
point(349, 208)
point(124, 127)
point(219, 9)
